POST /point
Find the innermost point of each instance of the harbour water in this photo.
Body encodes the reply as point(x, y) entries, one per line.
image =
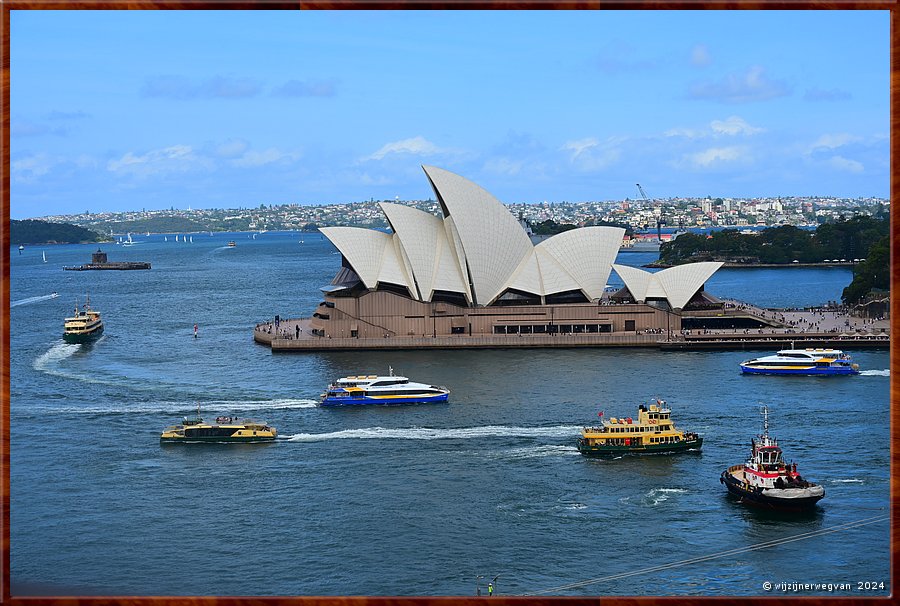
point(411, 500)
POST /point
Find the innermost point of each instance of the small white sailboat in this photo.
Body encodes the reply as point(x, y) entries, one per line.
point(44, 256)
point(176, 237)
point(192, 239)
point(166, 238)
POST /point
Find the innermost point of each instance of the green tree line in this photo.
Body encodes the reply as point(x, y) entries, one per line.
point(32, 231)
point(861, 237)
point(849, 240)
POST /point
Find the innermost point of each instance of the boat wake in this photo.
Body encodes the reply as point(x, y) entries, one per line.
point(660, 495)
point(537, 452)
point(207, 407)
point(427, 433)
point(875, 373)
point(848, 481)
point(48, 361)
point(33, 300)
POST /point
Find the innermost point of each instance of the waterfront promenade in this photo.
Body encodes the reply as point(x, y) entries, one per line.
point(802, 328)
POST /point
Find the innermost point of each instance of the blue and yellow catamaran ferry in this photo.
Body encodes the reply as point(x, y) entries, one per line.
point(802, 362)
point(375, 389)
point(653, 432)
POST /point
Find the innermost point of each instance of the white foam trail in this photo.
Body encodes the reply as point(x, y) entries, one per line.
point(660, 495)
point(849, 481)
point(876, 373)
point(544, 450)
point(33, 300)
point(53, 356)
point(176, 408)
point(427, 433)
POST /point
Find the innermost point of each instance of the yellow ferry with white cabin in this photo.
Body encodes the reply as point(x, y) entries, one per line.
point(653, 432)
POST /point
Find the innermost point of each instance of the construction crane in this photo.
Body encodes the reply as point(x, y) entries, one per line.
point(657, 211)
point(641, 189)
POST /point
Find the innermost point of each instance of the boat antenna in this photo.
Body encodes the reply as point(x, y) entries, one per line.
point(765, 412)
point(391, 370)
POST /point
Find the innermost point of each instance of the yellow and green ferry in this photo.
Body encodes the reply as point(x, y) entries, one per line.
point(84, 326)
point(224, 430)
point(652, 432)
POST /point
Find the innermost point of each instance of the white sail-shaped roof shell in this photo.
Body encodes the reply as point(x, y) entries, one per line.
point(423, 239)
point(528, 277)
point(374, 255)
point(479, 250)
point(493, 242)
point(637, 281)
point(676, 284)
point(363, 249)
point(682, 282)
point(586, 254)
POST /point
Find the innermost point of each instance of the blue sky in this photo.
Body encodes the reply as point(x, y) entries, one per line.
point(116, 111)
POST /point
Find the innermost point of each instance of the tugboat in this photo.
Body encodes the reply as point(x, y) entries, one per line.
point(224, 430)
point(84, 326)
point(802, 362)
point(653, 432)
point(232, 244)
point(766, 481)
point(374, 389)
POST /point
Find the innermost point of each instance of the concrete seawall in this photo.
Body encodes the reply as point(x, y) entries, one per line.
point(656, 341)
point(464, 342)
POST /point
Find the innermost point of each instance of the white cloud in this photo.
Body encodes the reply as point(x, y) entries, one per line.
point(580, 146)
point(753, 85)
point(833, 94)
point(700, 56)
point(734, 126)
point(504, 166)
point(261, 158)
point(181, 87)
point(845, 164)
point(715, 155)
point(591, 154)
point(417, 146)
point(232, 148)
point(174, 159)
point(832, 141)
point(30, 168)
point(684, 132)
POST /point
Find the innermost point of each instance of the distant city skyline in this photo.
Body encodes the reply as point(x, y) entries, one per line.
point(122, 110)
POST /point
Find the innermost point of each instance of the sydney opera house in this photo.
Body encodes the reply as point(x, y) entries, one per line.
point(474, 276)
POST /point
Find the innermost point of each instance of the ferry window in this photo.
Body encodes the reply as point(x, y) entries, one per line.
point(565, 328)
point(499, 330)
point(593, 328)
point(629, 325)
point(457, 330)
point(511, 330)
point(525, 330)
point(578, 328)
point(540, 328)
